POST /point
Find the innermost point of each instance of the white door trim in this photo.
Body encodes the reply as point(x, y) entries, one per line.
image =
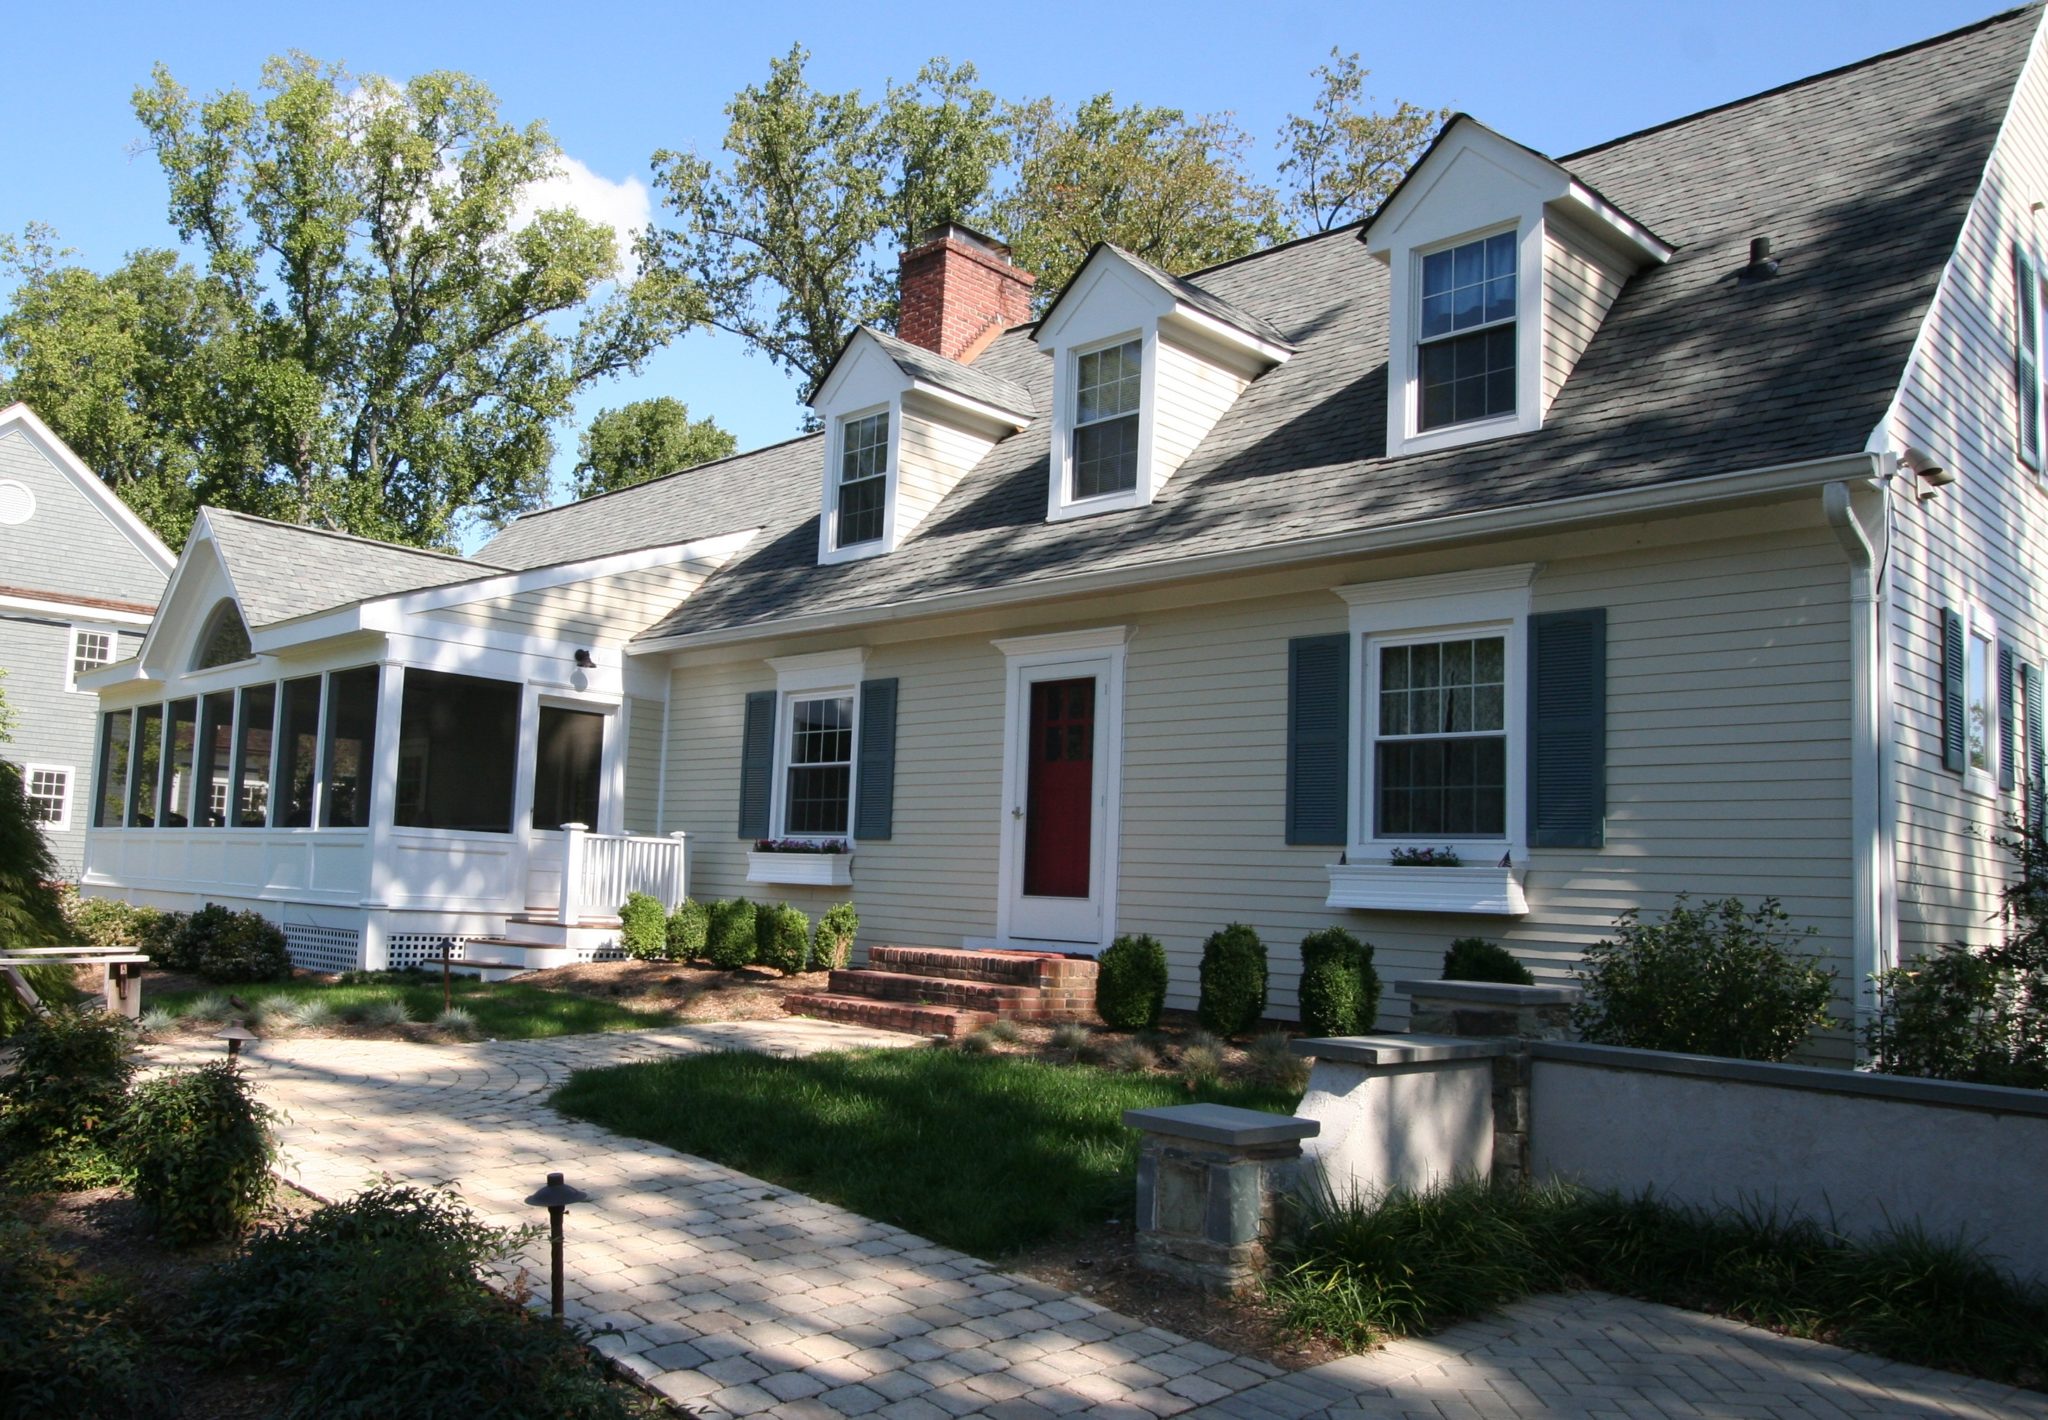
point(1099, 652)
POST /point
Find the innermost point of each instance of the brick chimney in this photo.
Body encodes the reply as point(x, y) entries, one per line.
point(959, 292)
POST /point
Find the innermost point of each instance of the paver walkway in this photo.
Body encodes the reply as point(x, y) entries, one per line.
point(739, 1298)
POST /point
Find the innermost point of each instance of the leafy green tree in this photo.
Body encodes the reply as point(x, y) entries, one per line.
point(643, 440)
point(374, 339)
point(792, 241)
point(1164, 185)
point(1343, 159)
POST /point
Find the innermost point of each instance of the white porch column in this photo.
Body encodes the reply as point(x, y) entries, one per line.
point(573, 849)
point(383, 809)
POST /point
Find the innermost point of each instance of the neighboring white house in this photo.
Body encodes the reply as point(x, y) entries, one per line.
point(80, 576)
point(1659, 518)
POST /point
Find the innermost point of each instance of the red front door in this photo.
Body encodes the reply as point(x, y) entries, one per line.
point(1060, 807)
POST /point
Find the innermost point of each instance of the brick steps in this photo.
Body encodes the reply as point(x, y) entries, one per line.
point(952, 992)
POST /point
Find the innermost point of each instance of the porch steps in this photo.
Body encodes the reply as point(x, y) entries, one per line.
point(953, 991)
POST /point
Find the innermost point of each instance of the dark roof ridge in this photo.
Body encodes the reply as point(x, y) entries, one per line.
point(337, 534)
point(1975, 25)
point(662, 478)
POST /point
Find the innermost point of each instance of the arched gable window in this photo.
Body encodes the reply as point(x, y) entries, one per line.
point(225, 640)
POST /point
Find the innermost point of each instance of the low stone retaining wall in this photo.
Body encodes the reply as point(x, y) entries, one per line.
point(1861, 1152)
point(1211, 1181)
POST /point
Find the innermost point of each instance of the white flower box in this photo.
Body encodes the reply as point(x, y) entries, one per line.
point(800, 869)
point(1382, 887)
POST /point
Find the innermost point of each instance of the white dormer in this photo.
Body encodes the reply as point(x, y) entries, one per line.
point(1501, 267)
point(902, 426)
point(1144, 364)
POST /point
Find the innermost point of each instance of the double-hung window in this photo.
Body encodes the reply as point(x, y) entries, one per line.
point(1440, 738)
point(1107, 387)
point(1980, 703)
point(90, 649)
point(49, 796)
point(863, 479)
point(1465, 349)
point(818, 787)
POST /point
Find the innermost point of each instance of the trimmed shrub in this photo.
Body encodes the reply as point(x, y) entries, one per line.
point(643, 927)
point(199, 1146)
point(157, 935)
point(102, 921)
point(1716, 979)
point(782, 938)
point(1130, 984)
point(1476, 959)
point(64, 1347)
point(832, 941)
point(687, 926)
point(60, 1108)
point(729, 939)
point(1340, 991)
point(224, 945)
point(1233, 981)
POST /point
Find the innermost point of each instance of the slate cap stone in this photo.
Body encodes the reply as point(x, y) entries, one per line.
point(1398, 1049)
point(1492, 993)
point(1222, 1124)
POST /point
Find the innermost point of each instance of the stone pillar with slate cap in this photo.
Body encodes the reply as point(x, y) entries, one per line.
point(1210, 1178)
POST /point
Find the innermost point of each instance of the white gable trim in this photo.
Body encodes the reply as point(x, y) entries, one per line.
point(21, 417)
point(202, 533)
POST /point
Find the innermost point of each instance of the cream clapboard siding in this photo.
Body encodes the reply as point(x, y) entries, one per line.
point(1984, 539)
point(1728, 763)
point(1579, 284)
point(931, 456)
point(1192, 393)
point(614, 607)
point(645, 728)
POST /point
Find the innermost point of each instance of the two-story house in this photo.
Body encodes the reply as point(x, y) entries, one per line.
point(80, 578)
point(1656, 518)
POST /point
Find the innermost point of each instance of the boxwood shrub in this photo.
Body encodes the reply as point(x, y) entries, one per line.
point(686, 930)
point(1340, 991)
point(224, 945)
point(729, 939)
point(643, 927)
point(1476, 959)
point(1130, 984)
point(832, 940)
point(1233, 981)
point(782, 938)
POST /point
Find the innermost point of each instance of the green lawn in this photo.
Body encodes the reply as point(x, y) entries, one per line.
point(504, 1010)
point(988, 1154)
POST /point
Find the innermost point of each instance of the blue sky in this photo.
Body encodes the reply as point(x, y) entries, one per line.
point(616, 81)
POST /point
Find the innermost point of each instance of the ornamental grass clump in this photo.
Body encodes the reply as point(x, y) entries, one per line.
point(1717, 979)
point(60, 1108)
point(1130, 983)
point(782, 938)
point(686, 930)
point(1233, 976)
point(1476, 959)
point(457, 1022)
point(643, 927)
point(730, 941)
point(1340, 991)
point(832, 942)
point(198, 1145)
point(1273, 1062)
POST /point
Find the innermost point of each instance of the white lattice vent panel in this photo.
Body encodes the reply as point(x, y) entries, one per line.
point(406, 949)
point(323, 948)
point(610, 951)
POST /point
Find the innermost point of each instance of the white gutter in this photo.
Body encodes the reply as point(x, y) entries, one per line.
point(1535, 517)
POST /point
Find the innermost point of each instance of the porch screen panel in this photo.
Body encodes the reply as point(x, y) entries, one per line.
point(176, 811)
point(299, 754)
point(149, 753)
point(458, 753)
point(116, 730)
point(567, 764)
point(250, 806)
point(216, 756)
point(351, 747)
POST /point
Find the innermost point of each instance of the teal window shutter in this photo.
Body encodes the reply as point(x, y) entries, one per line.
point(757, 764)
point(2037, 752)
point(1568, 729)
point(1318, 737)
point(2008, 766)
point(1953, 735)
point(874, 807)
point(2027, 356)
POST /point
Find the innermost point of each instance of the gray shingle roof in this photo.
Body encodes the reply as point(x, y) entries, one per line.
point(972, 381)
point(1861, 177)
point(283, 570)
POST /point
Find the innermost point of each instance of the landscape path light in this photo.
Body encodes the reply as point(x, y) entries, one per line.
point(234, 1035)
point(556, 1198)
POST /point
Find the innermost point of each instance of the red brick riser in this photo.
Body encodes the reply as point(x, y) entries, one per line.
point(941, 991)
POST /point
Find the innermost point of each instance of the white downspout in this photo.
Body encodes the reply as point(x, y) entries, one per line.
point(1872, 923)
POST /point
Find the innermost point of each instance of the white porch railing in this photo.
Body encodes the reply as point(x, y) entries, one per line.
point(600, 869)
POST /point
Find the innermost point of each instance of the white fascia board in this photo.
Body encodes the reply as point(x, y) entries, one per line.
point(1703, 492)
point(938, 394)
point(80, 612)
point(1624, 227)
point(118, 673)
point(106, 499)
point(1263, 351)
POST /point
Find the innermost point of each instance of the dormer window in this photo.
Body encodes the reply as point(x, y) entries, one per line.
point(863, 479)
point(1466, 335)
point(1107, 391)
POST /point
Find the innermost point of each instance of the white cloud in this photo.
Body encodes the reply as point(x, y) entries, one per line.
point(624, 206)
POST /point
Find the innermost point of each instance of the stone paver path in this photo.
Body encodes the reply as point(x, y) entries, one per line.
point(736, 1297)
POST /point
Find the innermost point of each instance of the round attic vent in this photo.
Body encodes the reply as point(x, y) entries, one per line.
point(17, 503)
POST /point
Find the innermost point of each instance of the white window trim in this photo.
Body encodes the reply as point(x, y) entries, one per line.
point(1066, 394)
point(2037, 471)
point(71, 651)
point(1980, 625)
point(814, 677)
point(1405, 434)
point(829, 550)
point(28, 773)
